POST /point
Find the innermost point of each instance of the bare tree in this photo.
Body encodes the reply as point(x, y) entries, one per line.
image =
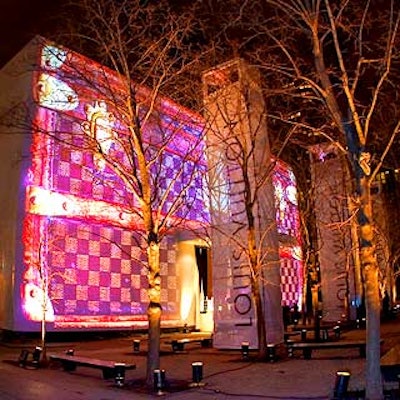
point(340, 60)
point(146, 149)
point(38, 280)
point(37, 304)
point(146, 41)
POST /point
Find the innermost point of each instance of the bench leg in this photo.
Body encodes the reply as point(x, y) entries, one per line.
point(363, 353)
point(174, 345)
point(108, 373)
point(119, 375)
point(69, 366)
point(307, 354)
point(177, 346)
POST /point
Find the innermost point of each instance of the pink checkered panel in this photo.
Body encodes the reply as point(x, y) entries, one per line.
point(291, 281)
point(75, 172)
point(98, 270)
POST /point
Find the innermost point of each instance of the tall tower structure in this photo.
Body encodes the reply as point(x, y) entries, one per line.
point(242, 205)
point(341, 284)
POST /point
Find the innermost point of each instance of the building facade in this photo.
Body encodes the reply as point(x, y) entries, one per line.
point(72, 231)
point(253, 210)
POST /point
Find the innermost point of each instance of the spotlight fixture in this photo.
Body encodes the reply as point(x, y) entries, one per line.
point(336, 331)
point(197, 374)
point(136, 345)
point(119, 374)
point(23, 358)
point(271, 352)
point(36, 356)
point(245, 350)
point(341, 384)
point(159, 381)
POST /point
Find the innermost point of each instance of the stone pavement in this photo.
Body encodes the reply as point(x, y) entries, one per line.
point(226, 376)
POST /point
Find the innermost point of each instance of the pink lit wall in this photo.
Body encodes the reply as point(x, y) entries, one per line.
point(288, 225)
point(81, 230)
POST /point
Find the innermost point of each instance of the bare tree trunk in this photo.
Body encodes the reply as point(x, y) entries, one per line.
point(373, 386)
point(255, 286)
point(43, 338)
point(370, 268)
point(154, 310)
point(358, 283)
point(45, 293)
point(261, 332)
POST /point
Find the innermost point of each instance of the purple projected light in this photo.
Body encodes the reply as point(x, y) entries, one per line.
point(81, 218)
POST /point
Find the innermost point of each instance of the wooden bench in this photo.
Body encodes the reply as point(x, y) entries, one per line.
point(390, 365)
point(110, 369)
point(179, 344)
point(325, 332)
point(288, 335)
point(308, 347)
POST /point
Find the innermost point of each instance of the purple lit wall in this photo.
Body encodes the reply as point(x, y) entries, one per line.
point(82, 225)
point(288, 225)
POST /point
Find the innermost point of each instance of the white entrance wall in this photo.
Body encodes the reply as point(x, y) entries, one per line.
point(192, 312)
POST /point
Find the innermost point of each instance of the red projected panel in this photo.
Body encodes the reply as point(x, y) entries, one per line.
point(83, 263)
point(96, 275)
point(288, 224)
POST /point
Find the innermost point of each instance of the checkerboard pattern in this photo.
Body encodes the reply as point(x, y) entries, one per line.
point(74, 172)
point(99, 270)
point(291, 285)
point(193, 207)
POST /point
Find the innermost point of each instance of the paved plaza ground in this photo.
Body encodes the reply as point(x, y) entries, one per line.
point(225, 374)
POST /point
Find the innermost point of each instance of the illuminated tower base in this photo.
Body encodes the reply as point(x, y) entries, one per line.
point(339, 293)
point(239, 158)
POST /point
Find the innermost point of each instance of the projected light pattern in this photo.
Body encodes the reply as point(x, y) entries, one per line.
point(287, 214)
point(100, 270)
point(81, 216)
point(288, 225)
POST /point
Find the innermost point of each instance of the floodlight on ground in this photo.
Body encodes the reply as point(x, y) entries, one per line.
point(336, 331)
point(197, 374)
point(245, 350)
point(23, 358)
point(36, 356)
point(159, 381)
point(289, 344)
point(70, 352)
point(341, 384)
point(119, 374)
point(136, 346)
point(271, 352)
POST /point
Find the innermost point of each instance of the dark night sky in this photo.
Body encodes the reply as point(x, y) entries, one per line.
point(21, 20)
